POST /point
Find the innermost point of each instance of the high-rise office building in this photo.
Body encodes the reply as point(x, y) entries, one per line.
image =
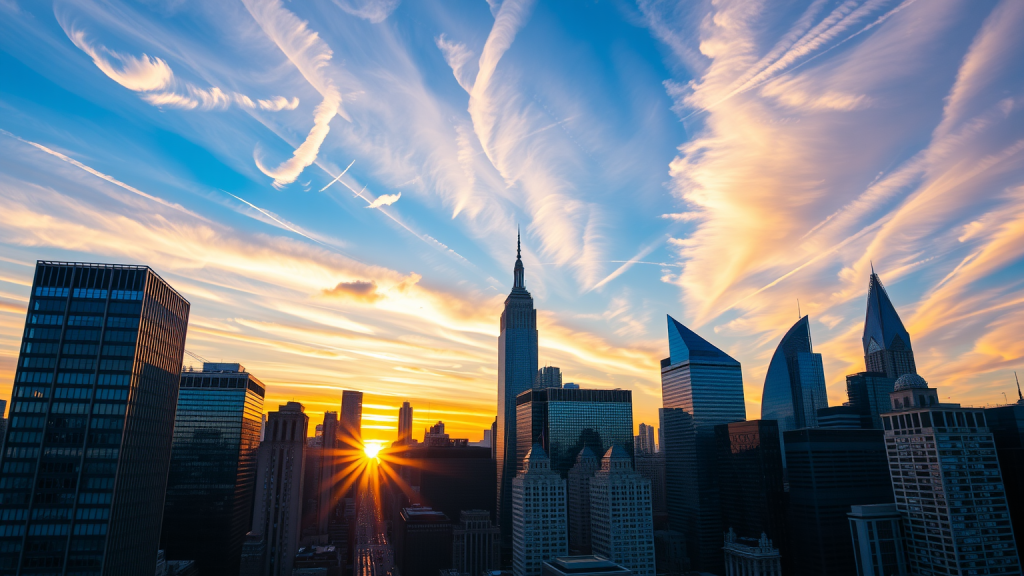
point(92, 417)
point(563, 421)
point(449, 478)
point(652, 467)
point(706, 386)
point(644, 441)
point(548, 377)
point(878, 543)
point(538, 515)
point(208, 507)
point(670, 553)
point(830, 470)
point(423, 541)
point(578, 488)
point(1007, 426)
point(3, 423)
point(476, 544)
point(750, 476)
point(622, 527)
point(350, 421)
point(794, 388)
point(517, 368)
point(404, 424)
point(868, 393)
point(887, 347)
point(845, 416)
point(279, 474)
point(954, 511)
point(328, 493)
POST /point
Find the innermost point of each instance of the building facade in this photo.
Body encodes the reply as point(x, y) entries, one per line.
point(948, 485)
point(794, 388)
point(517, 369)
point(476, 544)
point(423, 542)
point(446, 478)
point(208, 507)
point(868, 393)
point(751, 557)
point(563, 421)
point(652, 467)
point(887, 348)
point(88, 447)
point(644, 441)
point(1007, 426)
point(578, 486)
point(583, 566)
point(548, 377)
point(404, 424)
point(829, 471)
point(752, 488)
point(539, 530)
point(622, 526)
point(277, 514)
point(878, 544)
point(701, 387)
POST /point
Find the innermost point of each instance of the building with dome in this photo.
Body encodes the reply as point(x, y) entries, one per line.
point(947, 484)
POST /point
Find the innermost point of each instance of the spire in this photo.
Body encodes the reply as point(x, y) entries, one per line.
point(882, 324)
point(1021, 396)
point(519, 276)
point(518, 245)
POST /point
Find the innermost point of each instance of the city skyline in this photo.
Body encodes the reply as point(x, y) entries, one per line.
point(110, 156)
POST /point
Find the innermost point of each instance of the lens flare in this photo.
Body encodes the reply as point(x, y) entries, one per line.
point(372, 450)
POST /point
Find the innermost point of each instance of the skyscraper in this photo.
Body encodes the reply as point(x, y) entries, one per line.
point(476, 543)
point(278, 510)
point(328, 493)
point(706, 386)
point(622, 527)
point(538, 515)
point(423, 541)
point(1007, 426)
point(955, 515)
point(548, 377)
point(887, 347)
point(794, 388)
point(563, 421)
point(404, 424)
point(652, 467)
point(517, 368)
point(868, 393)
point(878, 543)
point(350, 423)
point(645, 440)
point(578, 485)
point(92, 417)
point(829, 471)
point(208, 507)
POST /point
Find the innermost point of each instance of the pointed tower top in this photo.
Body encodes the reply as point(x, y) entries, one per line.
point(518, 245)
point(519, 275)
point(683, 344)
point(1021, 396)
point(882, 325)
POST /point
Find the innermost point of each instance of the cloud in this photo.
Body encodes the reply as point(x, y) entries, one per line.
point(373, 10)
point(311, 56)
point(140, 74)
point(359, 290)
point(385, 200)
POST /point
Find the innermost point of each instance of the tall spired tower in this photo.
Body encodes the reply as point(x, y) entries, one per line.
point(887, 346)
point(517, 367)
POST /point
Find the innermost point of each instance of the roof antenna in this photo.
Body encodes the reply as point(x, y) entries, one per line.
point(1018, 385)
point(518, 253)
point(872, 267)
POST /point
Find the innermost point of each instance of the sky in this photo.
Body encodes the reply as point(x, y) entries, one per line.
point(336, 185)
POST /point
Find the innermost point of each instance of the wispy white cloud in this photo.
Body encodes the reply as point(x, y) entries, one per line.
point(140, 74)
point(385, 200)
point(373, 10)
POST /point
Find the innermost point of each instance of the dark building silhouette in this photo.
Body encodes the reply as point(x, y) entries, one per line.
point(476, 543)
point(208, 507)
point(563, 421)
point(887, 347)
point(652, 467)
point(750, 473)
point(843, 417)
point(448, 479)
point(1007, 426)
point(578, 500)
point(404, 424)
point(92, 417)
point(868, 393)
point(701, 387)
point(423, 542)
point(794, 388)
point(670, 553)
point(517, 368)
point(829, 471)
point(277, 513)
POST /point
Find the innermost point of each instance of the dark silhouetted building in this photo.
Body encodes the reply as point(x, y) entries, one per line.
point(887, 348)
point(1007, 426)
point(645, 440)
point(517, 369)
point(448, 479)
point(878, 544)
point(404, 424)
point(563, 421)
point(281, 461)
point(548, 377)
point(706, 386)
point(92, 418)
point(794, 388)
point(748, 556)
point(829, 471)
point(578, 500)
point(582, 566)
point(423, 542)
point(652, 467)
point(476, 543)
point(670, 557)
point(868, 393)
point(208, 508)
point(955, 514)
point(846, 417)
point(753, 494)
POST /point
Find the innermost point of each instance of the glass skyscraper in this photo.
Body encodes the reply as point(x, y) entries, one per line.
point(886, 342)
point(563, 421)
point(794, 388)
point(213, 467)
point(701, 387)
point(85, 465)
point(869, 394)
point(517, 368)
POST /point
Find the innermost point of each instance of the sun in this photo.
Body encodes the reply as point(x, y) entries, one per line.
point(372, 450)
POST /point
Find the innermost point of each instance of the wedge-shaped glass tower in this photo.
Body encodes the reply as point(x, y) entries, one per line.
point(887, 348)
point(794, 388)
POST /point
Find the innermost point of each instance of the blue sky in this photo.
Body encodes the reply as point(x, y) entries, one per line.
point(713, 161)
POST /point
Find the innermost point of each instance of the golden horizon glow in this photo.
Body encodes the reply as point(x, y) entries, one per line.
point(372, 449)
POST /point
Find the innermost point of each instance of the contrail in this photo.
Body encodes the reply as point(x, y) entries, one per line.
point(339, 175)
point(274, 218)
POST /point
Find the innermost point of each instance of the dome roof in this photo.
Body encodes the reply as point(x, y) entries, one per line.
point(909, 381)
